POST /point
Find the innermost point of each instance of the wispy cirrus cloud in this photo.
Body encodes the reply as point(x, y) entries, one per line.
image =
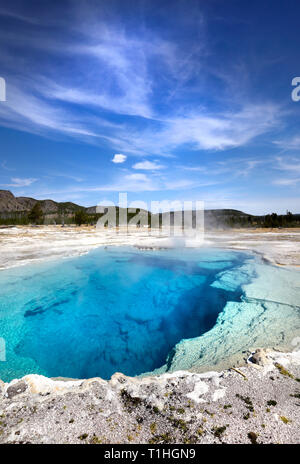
point(17, 182)
point(16, 15)
point(201, 131)
point(5, 166)
point(161, 136)
point(291, 143)
point(223, 130)
point(148, 166)
point(287, 181)
point(140, 182)
point(288, 163)
point(114, 73)
point(129, 182)
point(235, 167)
point(290, 168)
point(55, 174)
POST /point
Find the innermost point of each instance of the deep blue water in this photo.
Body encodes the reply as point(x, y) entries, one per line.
point(112, 310)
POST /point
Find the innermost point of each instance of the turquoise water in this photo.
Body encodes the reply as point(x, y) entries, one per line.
point(112, 310)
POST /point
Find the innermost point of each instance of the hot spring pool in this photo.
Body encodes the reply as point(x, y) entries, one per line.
point(116, 309)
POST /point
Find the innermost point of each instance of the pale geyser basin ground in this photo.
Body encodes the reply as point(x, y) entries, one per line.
point(122, 309)
point(22, 245)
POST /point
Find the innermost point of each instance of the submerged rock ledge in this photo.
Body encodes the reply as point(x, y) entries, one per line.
point(256, 403)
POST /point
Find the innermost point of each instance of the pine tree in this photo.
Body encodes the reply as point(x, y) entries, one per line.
point(80, 217)
point(36, 213)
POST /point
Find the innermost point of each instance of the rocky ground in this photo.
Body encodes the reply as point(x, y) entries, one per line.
point(278, 246)
point(23, 245)
point(258, 403)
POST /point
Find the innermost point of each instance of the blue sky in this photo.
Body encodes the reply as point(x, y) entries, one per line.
point(165, 100)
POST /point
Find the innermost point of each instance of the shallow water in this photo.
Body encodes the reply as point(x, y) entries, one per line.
point(113, 310)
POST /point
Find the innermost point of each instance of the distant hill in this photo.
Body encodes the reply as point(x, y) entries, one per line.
point(11, 204)
point(8, 202)
point(14, 210)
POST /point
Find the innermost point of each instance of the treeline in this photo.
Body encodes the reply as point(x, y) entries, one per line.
point(268, 221)
point(36, 217)
point(80, 217)
point(221, 218)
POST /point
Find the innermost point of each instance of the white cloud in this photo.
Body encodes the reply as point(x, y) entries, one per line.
point(119, 158)
point(148, 166)
point(20, 182)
